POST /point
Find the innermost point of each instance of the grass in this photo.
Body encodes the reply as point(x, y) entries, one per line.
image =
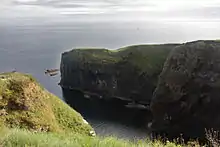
point(27, 105)
point(24, 138)
point(148, 58)
point(149, 54)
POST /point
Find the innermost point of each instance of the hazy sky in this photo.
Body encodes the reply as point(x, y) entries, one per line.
point(108, 10)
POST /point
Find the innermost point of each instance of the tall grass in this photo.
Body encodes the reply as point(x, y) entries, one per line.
point(24, 138)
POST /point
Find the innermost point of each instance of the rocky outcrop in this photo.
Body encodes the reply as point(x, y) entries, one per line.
point(130, 72)
point(187, 97)
point(25, 104)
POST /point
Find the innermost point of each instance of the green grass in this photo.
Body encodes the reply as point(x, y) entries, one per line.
point(27, 105)
point(92, 55)
point(148, 58)
point(24, 138)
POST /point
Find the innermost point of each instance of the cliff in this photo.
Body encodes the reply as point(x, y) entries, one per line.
point(130, 72)
point(187, 97)
point(25, 104)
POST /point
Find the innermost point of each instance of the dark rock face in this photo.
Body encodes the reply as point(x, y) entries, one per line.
point(187, 98)
point(130, 72)
point(111, 110)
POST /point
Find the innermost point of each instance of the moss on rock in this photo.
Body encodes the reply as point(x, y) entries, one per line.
point(25, 104)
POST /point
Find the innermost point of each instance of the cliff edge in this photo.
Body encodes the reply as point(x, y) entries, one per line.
point(25, 104)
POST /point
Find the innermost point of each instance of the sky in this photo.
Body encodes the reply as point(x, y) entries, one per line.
point(110, 10)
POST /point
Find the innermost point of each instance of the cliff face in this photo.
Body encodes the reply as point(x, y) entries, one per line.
point(187, 97)
point(25, 104)
point(130, 72)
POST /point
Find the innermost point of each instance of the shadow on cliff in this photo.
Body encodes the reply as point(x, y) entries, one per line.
point(186, 99)
point(109, 110)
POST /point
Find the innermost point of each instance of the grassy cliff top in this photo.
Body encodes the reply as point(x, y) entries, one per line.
point(25, 104)
point(103, 53)
point(145, 57)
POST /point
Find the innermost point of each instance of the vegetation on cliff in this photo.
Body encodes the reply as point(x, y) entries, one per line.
point(130, 72)
point(23, 138)
point(25, 104)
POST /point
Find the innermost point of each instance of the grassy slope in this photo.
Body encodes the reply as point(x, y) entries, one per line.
point(25, 104)
point(22, 138)
point(146, 57)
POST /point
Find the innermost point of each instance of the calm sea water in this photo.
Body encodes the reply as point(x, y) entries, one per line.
point(34, 48)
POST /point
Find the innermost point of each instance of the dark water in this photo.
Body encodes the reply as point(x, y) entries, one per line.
point(32, 49)
point(107, 116)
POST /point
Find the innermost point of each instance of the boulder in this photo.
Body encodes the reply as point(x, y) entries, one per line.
point(187, 97)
